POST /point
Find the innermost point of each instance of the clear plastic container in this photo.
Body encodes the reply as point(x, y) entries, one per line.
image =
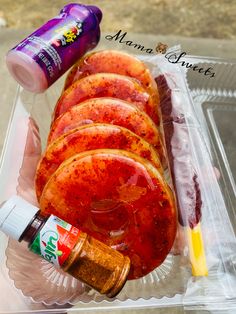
point(209, 110)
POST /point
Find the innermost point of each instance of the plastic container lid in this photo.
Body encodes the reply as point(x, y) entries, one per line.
point(15, 216)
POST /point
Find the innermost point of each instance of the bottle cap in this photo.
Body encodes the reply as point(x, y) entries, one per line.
point(15, 216)
point(75, 9)
point(26, 72)
point(96, 11)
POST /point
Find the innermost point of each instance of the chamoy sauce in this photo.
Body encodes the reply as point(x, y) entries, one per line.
point(112, 61)
point(89, 137)
point(118, 198)
point(107, 85)
point(107, 110)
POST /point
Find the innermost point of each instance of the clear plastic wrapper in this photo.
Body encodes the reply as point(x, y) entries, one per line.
point(203, 178)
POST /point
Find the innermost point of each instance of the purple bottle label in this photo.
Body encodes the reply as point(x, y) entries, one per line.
point(59, 43)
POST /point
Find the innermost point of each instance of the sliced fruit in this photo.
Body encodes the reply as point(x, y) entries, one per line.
point(119, 198)
point(113, 61)
point(108, 110)
point(89, 137)
point(107, 85)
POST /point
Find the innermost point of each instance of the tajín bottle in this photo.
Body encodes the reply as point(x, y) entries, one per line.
point(80, 255)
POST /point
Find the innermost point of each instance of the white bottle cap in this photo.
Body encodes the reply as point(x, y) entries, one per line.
point(26, 71)
point(15, 216)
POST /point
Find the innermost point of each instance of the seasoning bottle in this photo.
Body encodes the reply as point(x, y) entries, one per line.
point(41, 58)
point(80, 255)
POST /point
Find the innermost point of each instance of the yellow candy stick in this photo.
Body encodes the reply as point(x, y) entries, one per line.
point(196, 251)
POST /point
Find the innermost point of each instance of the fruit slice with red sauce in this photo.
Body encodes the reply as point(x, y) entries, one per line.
point(112, 61)
point(107, 85)
point(108, 110)
point(119, 198)
point(90, 137)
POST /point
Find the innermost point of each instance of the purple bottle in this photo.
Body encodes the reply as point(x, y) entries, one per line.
point(41, 58)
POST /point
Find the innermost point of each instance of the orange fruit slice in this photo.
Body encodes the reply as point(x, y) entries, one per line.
point(90, 137)
point(119, 198)
point(108, 110)
point(117, 62)
point(107, 85)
